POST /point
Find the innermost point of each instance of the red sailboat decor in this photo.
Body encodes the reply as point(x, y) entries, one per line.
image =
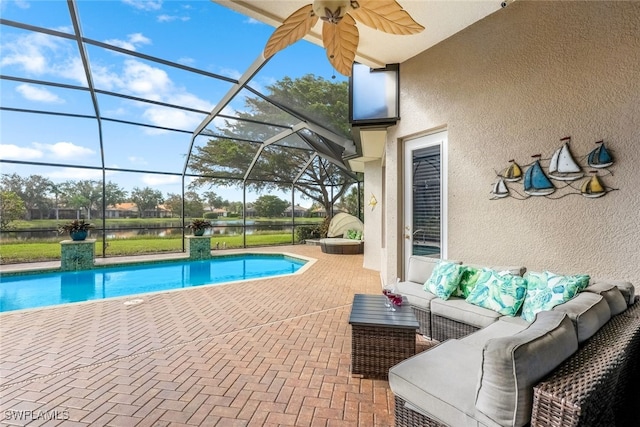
point(340, 35)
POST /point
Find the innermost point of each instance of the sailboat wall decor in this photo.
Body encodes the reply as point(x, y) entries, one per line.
point(536, 182)
point(513, 172)
point(592, 187)
point(562, 166)
point(500, 189)
point(600, 157)
point(557, 176)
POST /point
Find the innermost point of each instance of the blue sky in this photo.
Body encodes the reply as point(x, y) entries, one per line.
point(200, 34)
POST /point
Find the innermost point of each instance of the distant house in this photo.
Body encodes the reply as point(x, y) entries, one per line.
point(250, 210)
point(319, 212)
point(298, 212)
point(122, 210)
point(130, 210)
point(221, 212)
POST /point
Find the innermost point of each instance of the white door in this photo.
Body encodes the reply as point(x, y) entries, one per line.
point(425, 197)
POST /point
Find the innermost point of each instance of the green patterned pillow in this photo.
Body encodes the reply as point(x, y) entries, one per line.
point(354, 234)
point(444, 279)
point(502, 292)
point(468, 280)
point(546, 290)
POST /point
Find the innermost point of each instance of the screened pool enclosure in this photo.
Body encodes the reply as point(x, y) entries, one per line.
point(137, 116)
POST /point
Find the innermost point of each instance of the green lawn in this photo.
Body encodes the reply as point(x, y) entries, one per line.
point(41, 224)
point(48, 249)
point(18, 252)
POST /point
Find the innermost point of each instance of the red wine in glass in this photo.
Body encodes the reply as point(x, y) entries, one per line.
point(386, 292)
point(397, 300)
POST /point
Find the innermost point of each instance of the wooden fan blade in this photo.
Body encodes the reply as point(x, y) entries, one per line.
point(387, 16)
point(295, 27)
point(341, 42)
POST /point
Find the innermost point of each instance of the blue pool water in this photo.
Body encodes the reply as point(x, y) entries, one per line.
point(39, 290)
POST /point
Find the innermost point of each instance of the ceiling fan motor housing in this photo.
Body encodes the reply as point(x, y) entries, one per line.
point(331, 10)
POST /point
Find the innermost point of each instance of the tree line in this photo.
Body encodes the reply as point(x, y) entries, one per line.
point(37, 197)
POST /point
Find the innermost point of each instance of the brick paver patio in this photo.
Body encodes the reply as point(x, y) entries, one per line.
point(271, 352)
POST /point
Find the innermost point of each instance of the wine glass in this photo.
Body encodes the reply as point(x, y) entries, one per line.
point(387, 290)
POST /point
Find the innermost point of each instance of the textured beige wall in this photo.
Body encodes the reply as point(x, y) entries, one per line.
point(511, 86)
point(372, 215)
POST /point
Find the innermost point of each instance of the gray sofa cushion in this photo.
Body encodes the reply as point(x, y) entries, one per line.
point(416, 295)
point(627, 289)
point(588, 312)
point(458, 309)
point(499, 329)
point(512, 365)
point(611, 293)
point(421, 267)
point(426, 381)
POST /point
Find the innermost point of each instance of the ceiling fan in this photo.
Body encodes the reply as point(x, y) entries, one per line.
point(339, 32)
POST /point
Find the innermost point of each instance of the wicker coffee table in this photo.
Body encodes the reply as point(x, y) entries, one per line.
point(380, 338)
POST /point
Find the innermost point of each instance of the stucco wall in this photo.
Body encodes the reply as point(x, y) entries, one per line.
point(511, 86)
point(372, 214)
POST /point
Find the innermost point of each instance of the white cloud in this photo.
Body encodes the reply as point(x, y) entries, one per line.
point(133, 41)
point(186, 61)
point(144, 4)
point(230, 72)
point(171, 18)
point(104, 78)
point(63, 150)
point(146, 81)
point(38, 150)
point(33, 93)
point(30, 52)
point(40, 54)
point(21, 4)
point(252, 21)
point(10, 151)
point(137, 160)
point(154, 180)
point(64, 174)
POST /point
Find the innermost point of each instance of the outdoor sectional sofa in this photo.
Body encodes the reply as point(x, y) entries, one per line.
point(566, 366)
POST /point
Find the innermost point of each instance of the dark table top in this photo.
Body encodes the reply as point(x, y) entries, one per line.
point(369, 310)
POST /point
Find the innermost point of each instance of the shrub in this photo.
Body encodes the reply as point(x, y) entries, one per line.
point(305, 232)
point(210, 215)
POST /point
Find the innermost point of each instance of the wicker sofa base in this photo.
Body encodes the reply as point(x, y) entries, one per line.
point(597, 386)
point(339, 246)
point(405, 417)
point(443, 328)
point(592, 388)
point(374, 349)
point(423, 316)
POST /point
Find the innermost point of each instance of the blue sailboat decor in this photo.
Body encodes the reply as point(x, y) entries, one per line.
point(600, 156)
point(536, 182)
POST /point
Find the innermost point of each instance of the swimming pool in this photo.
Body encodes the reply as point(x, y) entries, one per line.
point(22, 291)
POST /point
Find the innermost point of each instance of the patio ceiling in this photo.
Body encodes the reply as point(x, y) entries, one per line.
point(441, 20)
